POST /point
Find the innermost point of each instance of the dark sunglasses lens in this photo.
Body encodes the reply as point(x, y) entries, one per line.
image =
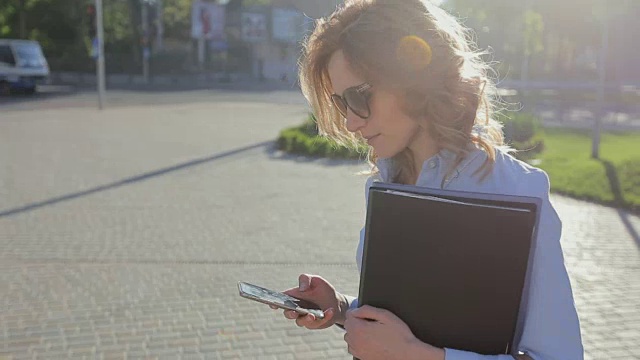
point(358, 102)
point(340, 104)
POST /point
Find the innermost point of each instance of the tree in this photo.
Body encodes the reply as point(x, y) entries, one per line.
point(517, 32)
point(177, 18)
point(499, 25)
point(8, 11)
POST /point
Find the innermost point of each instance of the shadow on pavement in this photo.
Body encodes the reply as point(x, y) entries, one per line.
point(624, 217)
point(131, 180)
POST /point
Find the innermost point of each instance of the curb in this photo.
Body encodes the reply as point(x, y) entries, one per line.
point(170, 82)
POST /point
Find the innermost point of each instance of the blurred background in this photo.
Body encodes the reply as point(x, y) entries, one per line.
point(131, 207)
point(574, 41)
point(563, 57)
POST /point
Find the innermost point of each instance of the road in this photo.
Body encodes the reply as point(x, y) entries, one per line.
point(123, 232)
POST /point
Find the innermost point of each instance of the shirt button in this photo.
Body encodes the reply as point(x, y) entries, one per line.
point(432, 164)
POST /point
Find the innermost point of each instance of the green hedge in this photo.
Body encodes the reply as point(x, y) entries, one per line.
point(304, 140)
point(563, 154)
point(522, 132)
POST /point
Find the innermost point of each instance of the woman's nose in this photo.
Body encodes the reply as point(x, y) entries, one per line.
point(354, 122)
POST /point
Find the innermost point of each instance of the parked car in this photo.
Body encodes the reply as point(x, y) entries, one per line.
point(22, 66)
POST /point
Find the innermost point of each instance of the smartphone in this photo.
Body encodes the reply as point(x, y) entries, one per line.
point(278, 299)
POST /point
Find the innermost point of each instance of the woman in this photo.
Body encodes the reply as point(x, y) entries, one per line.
point(403, 77)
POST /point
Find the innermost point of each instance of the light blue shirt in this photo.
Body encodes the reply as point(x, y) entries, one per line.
point(551, 328)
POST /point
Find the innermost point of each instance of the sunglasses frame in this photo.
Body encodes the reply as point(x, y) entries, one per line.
point(362, 89)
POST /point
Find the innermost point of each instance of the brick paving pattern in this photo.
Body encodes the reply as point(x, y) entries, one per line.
point(123, 234)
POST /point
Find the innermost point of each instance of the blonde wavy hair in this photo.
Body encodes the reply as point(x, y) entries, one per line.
point(451, 95)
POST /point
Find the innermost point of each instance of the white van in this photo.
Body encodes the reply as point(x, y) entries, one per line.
point(22, 66)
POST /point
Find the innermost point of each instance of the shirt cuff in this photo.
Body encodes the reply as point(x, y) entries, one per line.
point(352, 301)
point(352, 304)
point(452, 354)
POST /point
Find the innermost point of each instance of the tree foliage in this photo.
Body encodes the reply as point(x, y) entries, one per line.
point(551, 33)
point(554, 34)
point(177, 18)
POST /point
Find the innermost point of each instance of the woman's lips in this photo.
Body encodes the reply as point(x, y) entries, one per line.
point(371, 138)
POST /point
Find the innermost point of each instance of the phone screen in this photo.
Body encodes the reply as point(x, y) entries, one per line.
point(276, 298)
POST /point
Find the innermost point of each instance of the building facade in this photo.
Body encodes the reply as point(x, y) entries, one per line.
point(264, 41)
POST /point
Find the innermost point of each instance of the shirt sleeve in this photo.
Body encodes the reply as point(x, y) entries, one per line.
point(352, 300)
point(551, 329)
point(451, 354)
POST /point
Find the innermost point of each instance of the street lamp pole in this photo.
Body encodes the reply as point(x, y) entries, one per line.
point(100, 58)
point(145, 42)
point(225, 78)
point(524, 75)
point(602, 74)
point(159, 26)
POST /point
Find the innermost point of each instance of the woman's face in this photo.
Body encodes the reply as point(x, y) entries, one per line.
point(388, 129)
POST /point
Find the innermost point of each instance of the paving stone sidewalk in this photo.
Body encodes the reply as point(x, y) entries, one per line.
point(123, 234)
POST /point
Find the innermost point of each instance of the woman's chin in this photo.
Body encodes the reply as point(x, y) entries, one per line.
point(383, 153)
point(382, 149)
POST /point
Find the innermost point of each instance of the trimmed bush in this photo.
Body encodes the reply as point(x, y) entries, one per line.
point(304, 140)
point(613, 180)
point(523, 132)
point(521, 127)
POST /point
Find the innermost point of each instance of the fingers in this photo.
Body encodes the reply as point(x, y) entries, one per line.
point(311, 288)
point(305, 320)
point(353, 323)
point(310, 282)
point(309, 321)
point(348, 321)
point(293, 292)
point(290, 314)
point(370, 313)
point(304, 282)
point(346, 340)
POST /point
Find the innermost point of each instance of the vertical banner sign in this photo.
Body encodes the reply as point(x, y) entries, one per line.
point(207, 21)
point(254, 27)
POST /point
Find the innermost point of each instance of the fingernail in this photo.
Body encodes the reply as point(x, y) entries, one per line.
point(303, 287)
point(330, 311)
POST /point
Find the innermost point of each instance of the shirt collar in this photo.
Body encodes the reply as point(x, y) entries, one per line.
point(388, 169)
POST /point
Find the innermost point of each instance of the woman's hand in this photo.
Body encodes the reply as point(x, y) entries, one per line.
point(374, 333)
point(317, 290)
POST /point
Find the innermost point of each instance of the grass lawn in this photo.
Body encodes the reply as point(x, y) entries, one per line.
point(614, 179)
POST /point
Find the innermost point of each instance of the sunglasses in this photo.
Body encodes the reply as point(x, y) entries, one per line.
point(355, 98)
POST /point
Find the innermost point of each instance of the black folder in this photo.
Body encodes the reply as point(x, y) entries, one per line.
point(453, 265)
